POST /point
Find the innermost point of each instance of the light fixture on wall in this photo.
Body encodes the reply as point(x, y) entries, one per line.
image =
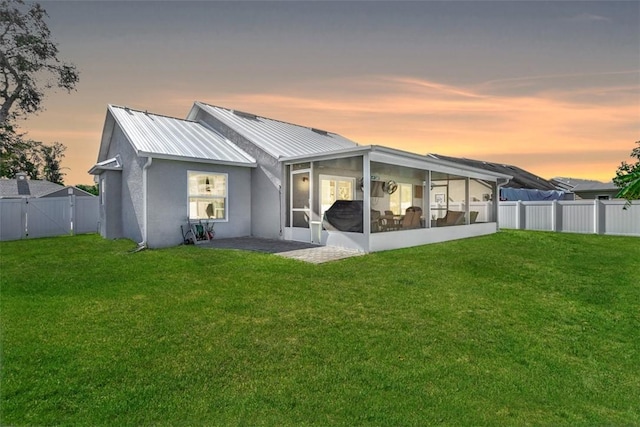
point(305, 179)
point(207, 184)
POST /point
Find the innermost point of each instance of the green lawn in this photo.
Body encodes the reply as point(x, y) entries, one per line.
point(517, 328)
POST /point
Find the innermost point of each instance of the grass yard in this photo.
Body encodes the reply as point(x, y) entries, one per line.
point(517, 328)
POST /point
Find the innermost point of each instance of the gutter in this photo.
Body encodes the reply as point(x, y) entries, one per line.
point(499, 183)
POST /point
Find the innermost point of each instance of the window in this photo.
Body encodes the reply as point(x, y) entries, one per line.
point(207, 195)
point(401, 199)
point(334, 188)
point(102, 190)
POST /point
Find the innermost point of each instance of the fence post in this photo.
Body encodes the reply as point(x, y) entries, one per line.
point(519, 222)
point(596, 217)
point(600, 216)
point(72, 212)
point(556, 216)
point(23, 218)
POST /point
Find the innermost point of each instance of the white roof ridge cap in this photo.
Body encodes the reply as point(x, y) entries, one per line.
point(310, 128)
point(149, 113)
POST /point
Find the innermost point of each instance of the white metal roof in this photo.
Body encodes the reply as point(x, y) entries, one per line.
point(279, 139)
point(168, 137)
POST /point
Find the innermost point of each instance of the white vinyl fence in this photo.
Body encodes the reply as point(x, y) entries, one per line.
point(575, 216)
point(43, 217)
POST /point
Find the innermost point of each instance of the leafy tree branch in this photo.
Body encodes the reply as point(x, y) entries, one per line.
point(28, 60)
point(29, 67)
point(628, 178)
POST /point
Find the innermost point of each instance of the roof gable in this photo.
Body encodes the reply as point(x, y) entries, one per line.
point(171, 138)
point(277, 138)
point(69, 190)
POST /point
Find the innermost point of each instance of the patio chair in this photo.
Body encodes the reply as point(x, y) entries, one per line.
point(451, 218)
point(388, 221)
point(412, 217)
point(375, 221)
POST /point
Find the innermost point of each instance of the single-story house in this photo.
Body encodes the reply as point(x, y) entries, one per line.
point(22, 187)
point(248, 175)
point(523, 185)
point(587, 189)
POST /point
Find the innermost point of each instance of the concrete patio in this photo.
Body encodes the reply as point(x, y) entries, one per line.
point(301, 251)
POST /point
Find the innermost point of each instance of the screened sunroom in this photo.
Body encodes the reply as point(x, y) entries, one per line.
point(375, 198)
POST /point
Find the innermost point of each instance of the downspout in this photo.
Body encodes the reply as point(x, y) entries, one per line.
point(280, 207)
point(142, 245)
point(499, 183)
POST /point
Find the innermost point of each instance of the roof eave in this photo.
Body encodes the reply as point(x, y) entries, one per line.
point(325, 154)
point(394, 152)
point(248, 164)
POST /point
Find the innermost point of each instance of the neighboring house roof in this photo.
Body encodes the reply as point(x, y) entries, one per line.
point(582, 185)
point(520, 177)
point(69, 191)
point(24, 187)
point(277, 138)
point(158, 136)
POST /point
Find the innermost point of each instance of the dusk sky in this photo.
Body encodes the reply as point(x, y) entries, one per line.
point(552, 87)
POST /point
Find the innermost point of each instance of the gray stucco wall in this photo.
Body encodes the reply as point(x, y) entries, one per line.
point(110, 205)
point(110, 182)
point(265, 181)
point(265, 206)
point(167, 198)
point(131, 196)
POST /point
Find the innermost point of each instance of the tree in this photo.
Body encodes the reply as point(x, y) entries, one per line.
point(628, 178)
point(29, 62)
point(29, 66)
point(37, 160)
point(92, 189)
point(51, 156)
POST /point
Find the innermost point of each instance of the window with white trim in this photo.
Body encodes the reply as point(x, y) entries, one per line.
point(207, 195)
point(334, 188)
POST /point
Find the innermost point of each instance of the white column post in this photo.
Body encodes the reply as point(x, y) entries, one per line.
point(366, 205)
point(427, 200)
point(467, 197)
